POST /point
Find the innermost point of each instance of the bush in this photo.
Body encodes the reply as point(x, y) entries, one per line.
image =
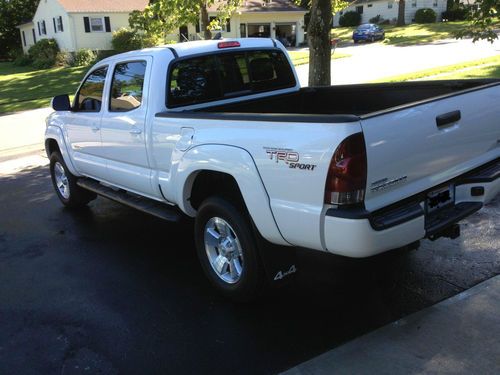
point(64, 58)
point(377, 19)
point(425, 15)
point(127, 40)
point(43, 53)
point(22, 60)
point(459, 14)
point(350, 19)
point(84, 57)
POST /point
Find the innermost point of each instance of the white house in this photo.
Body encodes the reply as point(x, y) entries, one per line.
point(388, 9)
point(77, 24)
point(281, 19)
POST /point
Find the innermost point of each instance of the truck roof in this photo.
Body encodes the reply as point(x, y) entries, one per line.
point(198, 47)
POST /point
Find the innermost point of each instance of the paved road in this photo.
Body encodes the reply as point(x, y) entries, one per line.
point(375, 61)
point(111, 290)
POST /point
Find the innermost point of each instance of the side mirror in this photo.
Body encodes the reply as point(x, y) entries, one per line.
point(61, 103)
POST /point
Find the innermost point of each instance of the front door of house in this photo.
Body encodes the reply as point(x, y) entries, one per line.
point(183, 34)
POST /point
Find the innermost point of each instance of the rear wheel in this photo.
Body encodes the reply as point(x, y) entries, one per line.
point(68, 192)
point(227, 249)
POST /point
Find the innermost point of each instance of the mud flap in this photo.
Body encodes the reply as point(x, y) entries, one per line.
point(280, 262)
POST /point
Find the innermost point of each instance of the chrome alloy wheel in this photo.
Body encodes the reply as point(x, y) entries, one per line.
point(62, 182)
point(223, 250)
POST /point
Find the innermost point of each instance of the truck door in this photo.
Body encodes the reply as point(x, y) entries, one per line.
point(123, 126)
point(83, 125)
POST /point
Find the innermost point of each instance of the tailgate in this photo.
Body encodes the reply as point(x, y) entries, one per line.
point(414, 148)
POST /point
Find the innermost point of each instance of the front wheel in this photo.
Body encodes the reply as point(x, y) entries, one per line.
point(227, 249)
point(68, 192)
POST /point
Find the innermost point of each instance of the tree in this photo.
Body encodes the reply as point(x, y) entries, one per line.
point(481, 21)
point(401, 13)
point(12, 14)
point(318, 37)
point(162, 16)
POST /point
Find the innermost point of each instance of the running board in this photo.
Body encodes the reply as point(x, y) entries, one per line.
point(146, 205)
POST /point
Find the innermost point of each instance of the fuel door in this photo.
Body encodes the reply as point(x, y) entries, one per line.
point(186, 139)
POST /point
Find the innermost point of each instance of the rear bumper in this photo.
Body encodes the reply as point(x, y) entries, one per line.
point(358, 233)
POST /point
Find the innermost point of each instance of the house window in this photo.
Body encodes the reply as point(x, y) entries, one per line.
point(359, 9)
point(42, 30)
point(390, 4)
point(96, 24)
point(370, 5)
point(435, 4)
point(59, 24)
point(413, 3)
point(225, 27)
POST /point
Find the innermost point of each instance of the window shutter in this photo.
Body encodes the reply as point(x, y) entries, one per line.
point(107, 24)
point(228, 25)
point(60, 21)
point(44, 27)
point(54, 22)
point(39, 31)
point(86, 23)
point(34, 35)
point(197, 26)
point(24, 39)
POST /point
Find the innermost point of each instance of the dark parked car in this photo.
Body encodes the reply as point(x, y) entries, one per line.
point(368, 32)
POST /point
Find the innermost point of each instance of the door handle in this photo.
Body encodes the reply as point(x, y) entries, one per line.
point(135, 131)
point(95, 128)
point(448, 118)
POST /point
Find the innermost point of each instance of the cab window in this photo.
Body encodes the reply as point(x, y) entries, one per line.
point(89, 98)
point(127, 86)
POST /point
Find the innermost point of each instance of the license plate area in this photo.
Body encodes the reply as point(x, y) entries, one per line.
point(440, 198)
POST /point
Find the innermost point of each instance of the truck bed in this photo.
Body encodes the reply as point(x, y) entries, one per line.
point(359, 100)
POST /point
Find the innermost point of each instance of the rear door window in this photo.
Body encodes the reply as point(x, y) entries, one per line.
point(215, 77)
point(127, 86)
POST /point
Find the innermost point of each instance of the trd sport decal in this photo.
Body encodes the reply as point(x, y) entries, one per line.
point(289, 157)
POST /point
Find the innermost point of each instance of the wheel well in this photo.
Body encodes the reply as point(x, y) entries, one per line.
point(209, 183)
point(51, 146)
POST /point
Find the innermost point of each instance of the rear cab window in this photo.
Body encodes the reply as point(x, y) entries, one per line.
point(226, 75)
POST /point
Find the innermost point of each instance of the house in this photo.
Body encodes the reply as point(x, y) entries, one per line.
point(388, 9)
point(280, 19)
point(77, 24)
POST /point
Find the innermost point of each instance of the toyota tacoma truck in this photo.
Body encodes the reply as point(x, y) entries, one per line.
point(221, 131)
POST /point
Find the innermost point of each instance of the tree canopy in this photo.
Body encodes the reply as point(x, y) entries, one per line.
point(12, 14)
point(482, 21)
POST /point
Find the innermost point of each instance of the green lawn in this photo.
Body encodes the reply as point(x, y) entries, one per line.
point(302, 57)
point(482, 68)
point(23, 88)
point(409, 35)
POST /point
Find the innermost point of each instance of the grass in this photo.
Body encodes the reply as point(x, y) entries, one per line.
point(23, 88)
point(302, 57)
point(483, 68)
point(408, 35)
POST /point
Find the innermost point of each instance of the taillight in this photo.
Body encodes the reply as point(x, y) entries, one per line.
point(346, 180)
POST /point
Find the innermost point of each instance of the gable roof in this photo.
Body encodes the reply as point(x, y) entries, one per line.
point(250, 6)
point(121, 6)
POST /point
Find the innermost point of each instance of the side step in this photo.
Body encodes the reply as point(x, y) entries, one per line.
point(146, 205)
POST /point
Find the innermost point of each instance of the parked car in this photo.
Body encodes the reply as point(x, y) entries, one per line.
point(368, 32)
point(222, 132)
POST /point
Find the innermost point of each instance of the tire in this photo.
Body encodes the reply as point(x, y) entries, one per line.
point(227, 249)
point(69, 193)
point(355, 41)
point(372, 39)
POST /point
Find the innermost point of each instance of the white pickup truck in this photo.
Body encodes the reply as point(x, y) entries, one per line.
point(222, 132)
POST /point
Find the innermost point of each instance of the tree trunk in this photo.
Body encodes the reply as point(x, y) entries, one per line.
point(318, 35)
point(401, 13)
point(205, 22)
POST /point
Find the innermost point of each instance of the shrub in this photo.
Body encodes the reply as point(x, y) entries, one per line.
point(22, 60)
point(84, 57)
point(43, 53)
point(350, 19)
point(64, 58)
point(425, 15)
point(127, 40)
point(376, 19)
point(459, 14)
